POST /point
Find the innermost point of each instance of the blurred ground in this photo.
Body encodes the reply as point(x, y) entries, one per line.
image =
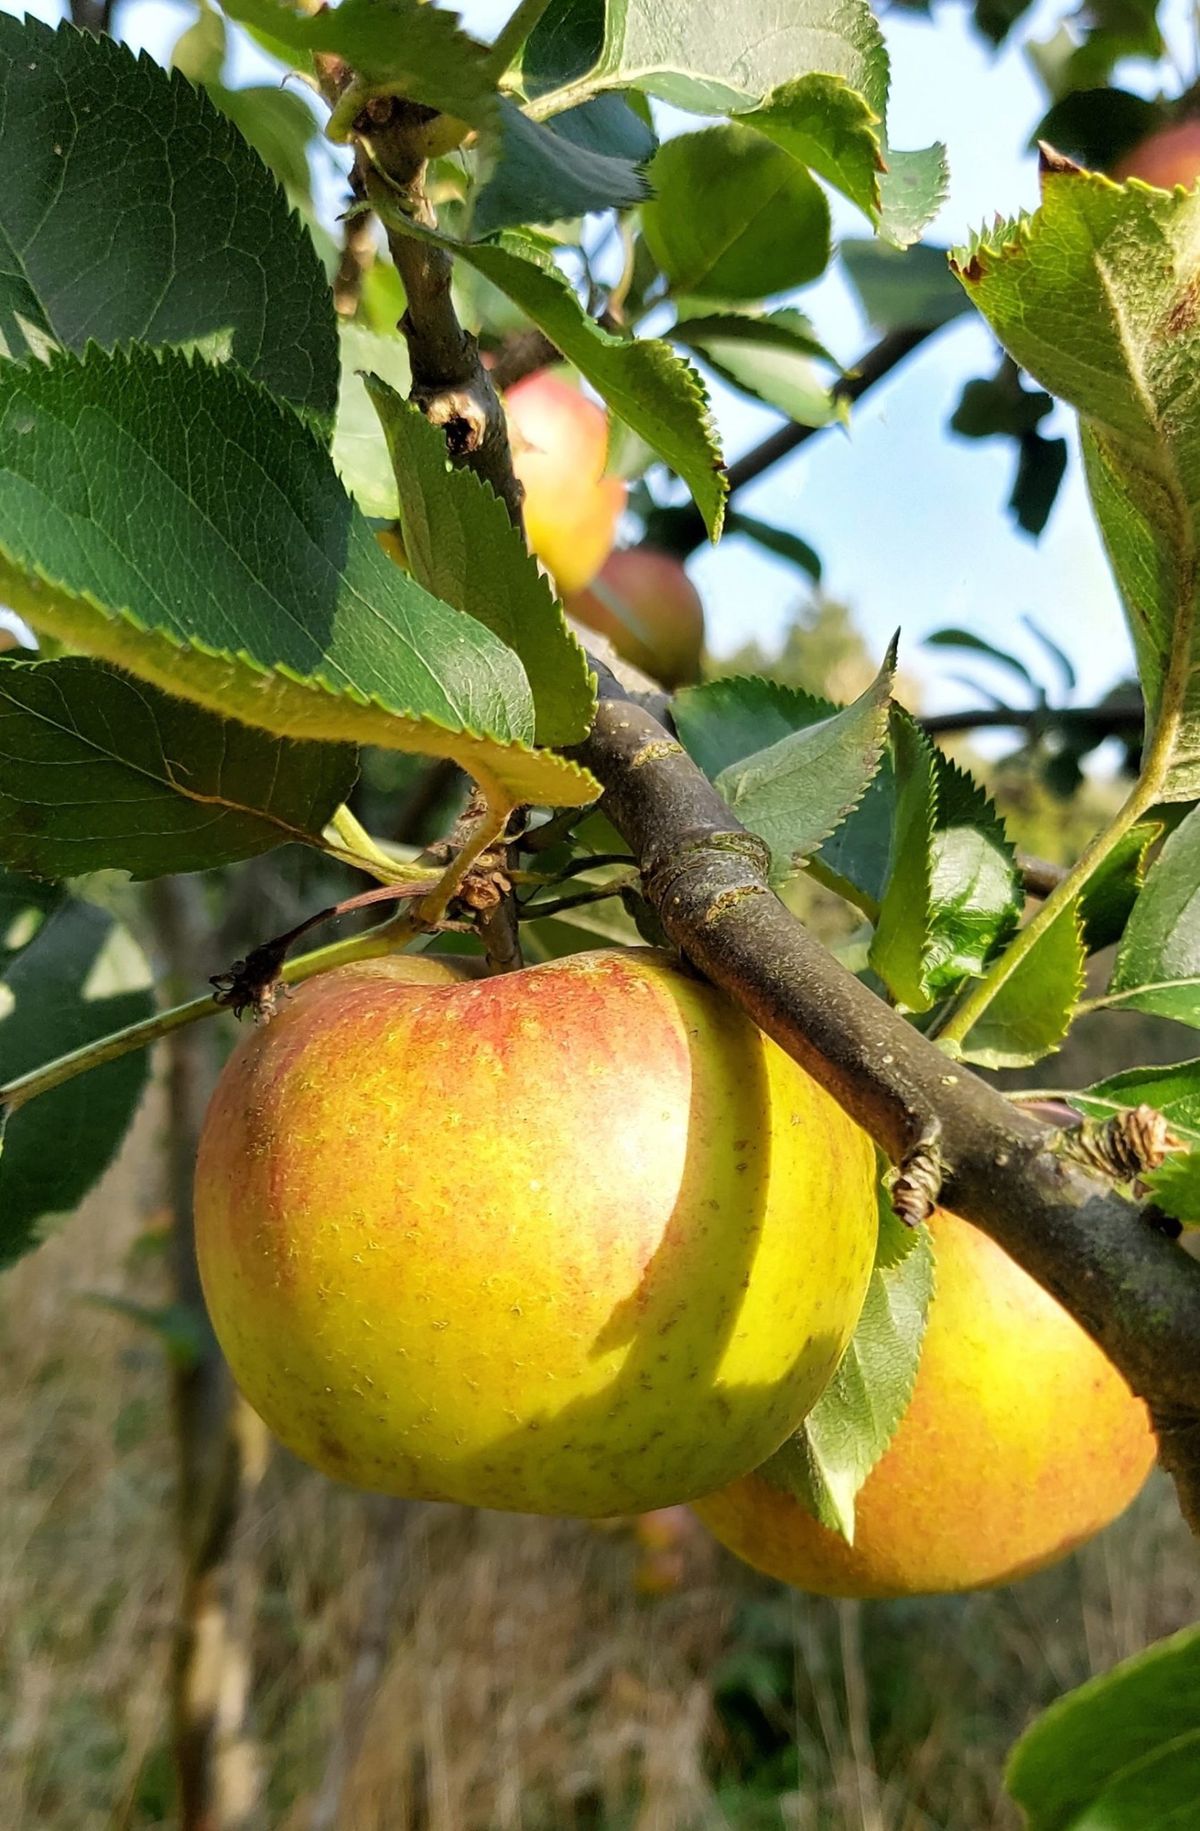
point(429, 1669)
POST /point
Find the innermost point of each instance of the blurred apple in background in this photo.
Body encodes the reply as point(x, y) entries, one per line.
point(560, 445)
point(647, 606)
point(1166, 158)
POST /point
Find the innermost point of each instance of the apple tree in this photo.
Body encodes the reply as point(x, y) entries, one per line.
point(260, 509)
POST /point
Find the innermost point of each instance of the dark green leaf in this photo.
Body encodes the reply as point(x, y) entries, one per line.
point(825, 1464)
point(1122, 1752)
point(1096, 126)
point(899, 947)
point(462, 546)
point(99, 771)
point(1095, 296)
point(1158, 963)
point(608, 125)
point(784, 329)
point(1000, 406)
point(142, 214)
point(538, 174)
point(769, 357)
point(763, 226)
point(270, 601)
point(965, 639)
point(900, 289)
point(1173, 1091)
point(24, 906)
point(79, 977)
point(1113, 888)
point(1032, 1011)
point(780, 541)
point(1041, 467)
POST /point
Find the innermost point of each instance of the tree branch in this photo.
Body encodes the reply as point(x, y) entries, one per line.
point(1135, 1292)
point(1122, 718)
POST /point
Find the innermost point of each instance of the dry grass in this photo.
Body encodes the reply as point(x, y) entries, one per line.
point(428, 1669)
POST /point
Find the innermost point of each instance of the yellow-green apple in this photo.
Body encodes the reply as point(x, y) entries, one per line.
point(1167, 157)
point(560, 446)
point(647, 606)
point(1021, 1441)
point(577, 1239)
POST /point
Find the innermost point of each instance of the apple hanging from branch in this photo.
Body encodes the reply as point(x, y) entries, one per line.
point(574, 1239)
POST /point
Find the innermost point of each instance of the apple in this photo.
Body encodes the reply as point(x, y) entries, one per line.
point(576, 1239)
point(1021, 1441)
point(1165, 158)
point(647, 606)
point(560, 445)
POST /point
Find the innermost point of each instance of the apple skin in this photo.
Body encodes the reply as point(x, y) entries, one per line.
point(1021, 1442)
point(647, 606)
point(560, 444)
point(1167, 157)
point(578, 1239)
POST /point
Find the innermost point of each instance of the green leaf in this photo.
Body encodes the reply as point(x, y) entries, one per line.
point(899, 947)
point(975, 895)
point(463, 548)
point(726, 60)
point(913, 190)
point(790, 766)
point(394, 47)
point(1158, 963)
point(79, 977)
point(24, 907)
point(828, 126)
point(797, 790)
point(809, 75)
point(173, 518)
point(768, 357)
point(965, 639)
point(1095, 295)
point(1120, 1753)
point(360, 452)
point(537, 174)
point(897, 289)
point(200, 51)
point(1112, 890)
point(779, 541)
point(279, 125)
point(607, 124)
point(643, 381)
point(142, 214)
point(1032, 1011)
point(763, 227)
point(848, 1429)
point(952, 896)
point(102, 772)
point(1173, 1091)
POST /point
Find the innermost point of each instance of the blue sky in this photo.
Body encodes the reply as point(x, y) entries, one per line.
point(909, 520)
